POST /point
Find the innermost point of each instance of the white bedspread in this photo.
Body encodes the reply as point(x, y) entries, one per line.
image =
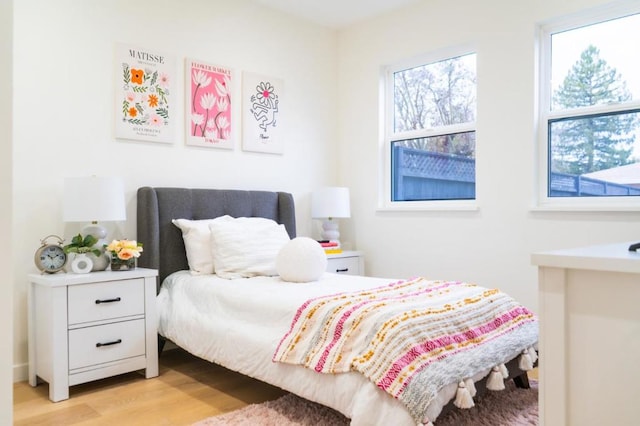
point(239, 323)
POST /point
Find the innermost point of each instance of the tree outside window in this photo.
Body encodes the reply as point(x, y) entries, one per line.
point(432, 135)
point(593, 114)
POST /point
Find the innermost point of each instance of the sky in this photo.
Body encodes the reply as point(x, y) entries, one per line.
point(618, 41)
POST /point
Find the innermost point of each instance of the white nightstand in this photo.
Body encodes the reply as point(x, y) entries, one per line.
point(347, 262)
point(84, 327)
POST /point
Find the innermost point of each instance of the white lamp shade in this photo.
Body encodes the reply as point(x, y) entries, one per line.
point(330, 202)
point(92, 199)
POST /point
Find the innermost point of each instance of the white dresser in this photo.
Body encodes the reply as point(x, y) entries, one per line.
point(84, 327)
point(347, 262)
point(589, 336)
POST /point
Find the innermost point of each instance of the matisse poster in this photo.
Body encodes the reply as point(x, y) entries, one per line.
point(261, 113)
point(208, 108)
point(144, 94)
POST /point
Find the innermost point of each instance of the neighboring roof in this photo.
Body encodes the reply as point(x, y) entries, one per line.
point(626, 175)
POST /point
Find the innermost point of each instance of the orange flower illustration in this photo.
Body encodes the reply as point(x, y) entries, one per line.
point(133, 112)
point(153, 101)
point(137, 75)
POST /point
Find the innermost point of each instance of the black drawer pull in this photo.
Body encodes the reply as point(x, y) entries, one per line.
point(117, 299)
point(115, 342)
point(342, 270)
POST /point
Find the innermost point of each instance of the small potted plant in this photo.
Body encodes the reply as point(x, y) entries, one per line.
point(83, 248)
point(83, 245)
point(123, 254)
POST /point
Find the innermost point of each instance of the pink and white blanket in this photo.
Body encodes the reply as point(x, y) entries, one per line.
point(411, 338)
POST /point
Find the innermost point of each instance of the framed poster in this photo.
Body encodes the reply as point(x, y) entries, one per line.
point(261, 114)
point(144, 94)
point(208, 113)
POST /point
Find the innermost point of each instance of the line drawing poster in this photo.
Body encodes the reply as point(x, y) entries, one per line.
point(261, 113)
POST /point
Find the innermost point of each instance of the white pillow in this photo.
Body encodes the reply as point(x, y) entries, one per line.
point(301, 260)
point(246, 246)
point(197, 242)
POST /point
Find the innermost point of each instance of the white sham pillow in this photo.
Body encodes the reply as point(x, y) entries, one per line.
point(246, 247)
point(197, 243)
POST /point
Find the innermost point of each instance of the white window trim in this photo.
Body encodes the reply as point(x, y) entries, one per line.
point(386, 135)
point(542, 201)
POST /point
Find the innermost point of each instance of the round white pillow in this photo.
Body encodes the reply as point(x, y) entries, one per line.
point(301, 260)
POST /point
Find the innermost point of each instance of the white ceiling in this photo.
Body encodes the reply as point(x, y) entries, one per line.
point(336, 13)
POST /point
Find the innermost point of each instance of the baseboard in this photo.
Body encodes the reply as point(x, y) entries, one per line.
point(20, 372)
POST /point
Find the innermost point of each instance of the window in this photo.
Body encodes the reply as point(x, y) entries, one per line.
point(590, 111)
point(430, 139)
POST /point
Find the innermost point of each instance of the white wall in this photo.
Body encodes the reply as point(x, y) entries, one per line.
point(491, 246)
point(64, 109)
point(6, 294)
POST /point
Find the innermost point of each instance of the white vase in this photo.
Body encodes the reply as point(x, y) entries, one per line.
point(81, 263)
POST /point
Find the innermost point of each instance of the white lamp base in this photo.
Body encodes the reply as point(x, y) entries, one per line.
point(330, 230)
point(101, 262)
point(98, 231)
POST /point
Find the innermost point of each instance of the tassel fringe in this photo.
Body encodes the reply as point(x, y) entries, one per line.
point(533, 354)
point(463, 397)
point(495, 382)
point(525, 363)
point(504, 371)
point(471, 386)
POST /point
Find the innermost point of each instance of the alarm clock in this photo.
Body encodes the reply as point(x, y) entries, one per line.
point(50, 257)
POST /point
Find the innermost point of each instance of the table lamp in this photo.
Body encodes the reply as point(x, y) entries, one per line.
point(329, 203)
point(93, 199)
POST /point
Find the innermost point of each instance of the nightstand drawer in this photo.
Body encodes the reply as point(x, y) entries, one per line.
point(105, 343)
point(344, 265)
point(106, 300)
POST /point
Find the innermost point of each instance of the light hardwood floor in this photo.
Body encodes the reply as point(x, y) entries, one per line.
point(187, 390)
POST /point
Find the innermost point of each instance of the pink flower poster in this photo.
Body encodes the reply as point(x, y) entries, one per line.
point(144, 94)
point(261, 113)
point(209, 101)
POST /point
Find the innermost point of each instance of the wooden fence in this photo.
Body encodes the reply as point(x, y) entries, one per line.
point(567, 185)
point(425, 175)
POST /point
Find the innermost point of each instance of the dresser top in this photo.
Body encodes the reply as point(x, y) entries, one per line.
point(609, 257)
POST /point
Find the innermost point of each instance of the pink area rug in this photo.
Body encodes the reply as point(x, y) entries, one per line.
point(510, 407)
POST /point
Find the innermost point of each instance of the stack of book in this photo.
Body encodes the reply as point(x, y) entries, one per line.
point(331, 246)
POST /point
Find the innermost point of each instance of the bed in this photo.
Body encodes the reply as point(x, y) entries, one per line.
point(240, 323)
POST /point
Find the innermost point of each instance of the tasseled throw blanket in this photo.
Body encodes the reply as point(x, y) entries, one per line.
point(411, 338)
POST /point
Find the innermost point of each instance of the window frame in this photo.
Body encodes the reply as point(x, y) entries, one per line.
point(387, 135)
point(546, 115)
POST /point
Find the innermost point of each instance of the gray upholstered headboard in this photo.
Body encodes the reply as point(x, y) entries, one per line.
point(162, 241)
